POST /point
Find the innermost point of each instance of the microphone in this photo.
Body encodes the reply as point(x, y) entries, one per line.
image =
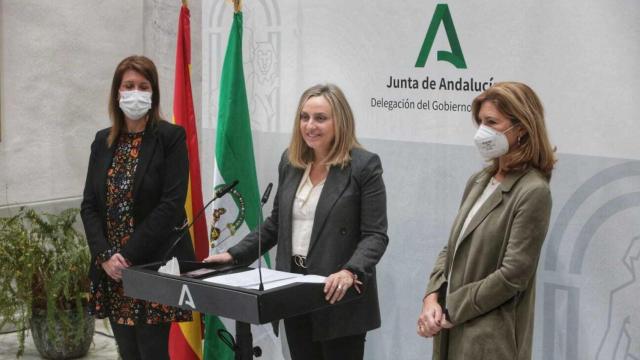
point(222, 192)
point(218, 194)
point(266, 194)
point(265, 198)
point(185, 227)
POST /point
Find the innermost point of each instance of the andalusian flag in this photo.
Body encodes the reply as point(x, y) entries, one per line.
point(185, 339)
point(236, 214)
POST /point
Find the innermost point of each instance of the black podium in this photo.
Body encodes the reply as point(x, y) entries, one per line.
point(245, 306)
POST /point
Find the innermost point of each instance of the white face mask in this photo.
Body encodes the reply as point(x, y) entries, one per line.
point(135, 104)
point(491, 143)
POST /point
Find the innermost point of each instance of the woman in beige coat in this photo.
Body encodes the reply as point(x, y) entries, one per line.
point(479, 302)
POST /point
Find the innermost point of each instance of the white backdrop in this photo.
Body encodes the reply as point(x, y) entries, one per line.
point(581, 57)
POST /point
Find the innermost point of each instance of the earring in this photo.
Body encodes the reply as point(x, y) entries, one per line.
point(519, 140)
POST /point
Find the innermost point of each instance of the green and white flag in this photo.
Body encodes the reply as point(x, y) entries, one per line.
point(237, 213)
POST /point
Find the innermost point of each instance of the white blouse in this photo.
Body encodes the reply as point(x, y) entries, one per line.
point(304, 211)
point(491, 187)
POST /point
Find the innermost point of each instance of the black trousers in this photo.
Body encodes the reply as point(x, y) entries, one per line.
point(142, 341)
point(302, 346)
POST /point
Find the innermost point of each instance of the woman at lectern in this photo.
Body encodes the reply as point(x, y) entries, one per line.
point(329, 218)
point(133, 199)
point(479, 301)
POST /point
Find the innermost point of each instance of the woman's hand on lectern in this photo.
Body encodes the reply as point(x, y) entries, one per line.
point(113, 267)
point(222, 258)
point(337, 284)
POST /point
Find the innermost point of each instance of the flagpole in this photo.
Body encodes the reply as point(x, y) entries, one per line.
point(237, 5)
point(185, 3)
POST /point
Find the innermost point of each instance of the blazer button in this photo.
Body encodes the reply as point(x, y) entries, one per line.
point(343, 231)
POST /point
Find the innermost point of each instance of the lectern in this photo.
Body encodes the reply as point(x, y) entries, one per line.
point(245, 306)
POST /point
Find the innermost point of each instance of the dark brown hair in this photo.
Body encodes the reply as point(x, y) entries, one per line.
point(145, 67)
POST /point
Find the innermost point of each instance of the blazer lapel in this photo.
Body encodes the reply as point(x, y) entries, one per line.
point(467, 204)
point(335, 184)
point(492, 202)
point(104, 162)
point(285, 204)
point(147, 149)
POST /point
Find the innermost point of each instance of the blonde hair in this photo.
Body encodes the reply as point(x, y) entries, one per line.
point(300, 155)
point(521, 105)
point(145, 67)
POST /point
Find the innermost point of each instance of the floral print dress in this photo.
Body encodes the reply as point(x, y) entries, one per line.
point(107, 297)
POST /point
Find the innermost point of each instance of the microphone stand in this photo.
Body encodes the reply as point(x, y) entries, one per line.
point(265, 198)
point(244, 348)
point(185, 227)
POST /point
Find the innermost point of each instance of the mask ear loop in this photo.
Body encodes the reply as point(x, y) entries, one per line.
point(519, 138)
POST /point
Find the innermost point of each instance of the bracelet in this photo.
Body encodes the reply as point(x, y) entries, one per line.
point(354, 276)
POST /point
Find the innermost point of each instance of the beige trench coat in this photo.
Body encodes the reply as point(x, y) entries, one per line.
point(491, 290)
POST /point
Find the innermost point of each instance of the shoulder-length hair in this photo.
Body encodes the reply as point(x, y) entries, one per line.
point(521, 105)
point(300, 155)
point(145, 67)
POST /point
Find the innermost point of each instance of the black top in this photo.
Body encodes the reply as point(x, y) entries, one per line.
point(159, 191)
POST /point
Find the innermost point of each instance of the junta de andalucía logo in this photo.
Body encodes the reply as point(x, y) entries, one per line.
point(455, 56)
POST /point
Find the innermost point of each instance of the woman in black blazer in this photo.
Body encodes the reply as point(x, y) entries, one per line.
point(329, 218)
point(133, 200)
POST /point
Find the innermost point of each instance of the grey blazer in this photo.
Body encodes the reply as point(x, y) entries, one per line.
point(491, 274)
point(349, 232)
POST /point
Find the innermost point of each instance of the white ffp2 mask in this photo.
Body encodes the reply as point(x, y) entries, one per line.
point(491, 143)
point(135, 104)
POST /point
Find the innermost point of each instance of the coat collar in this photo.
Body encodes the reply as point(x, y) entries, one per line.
point(507, 183)
point(335, 184)
point(290, 182)
point(147, 148)
point(104, 162)
point(491, 203)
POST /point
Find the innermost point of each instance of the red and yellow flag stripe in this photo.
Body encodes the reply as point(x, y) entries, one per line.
point(185, 339)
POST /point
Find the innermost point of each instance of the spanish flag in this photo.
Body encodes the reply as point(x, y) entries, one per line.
point(185, 338)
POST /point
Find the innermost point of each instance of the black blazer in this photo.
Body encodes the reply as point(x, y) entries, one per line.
point(349, 232)
point(159, 192)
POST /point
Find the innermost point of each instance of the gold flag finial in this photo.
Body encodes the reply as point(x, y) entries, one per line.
point(237, 5)
point(185, 3)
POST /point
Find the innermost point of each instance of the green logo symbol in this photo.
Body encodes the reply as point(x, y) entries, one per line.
point(455, 57)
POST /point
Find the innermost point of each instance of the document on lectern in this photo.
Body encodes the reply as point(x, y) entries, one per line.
point(271, 279)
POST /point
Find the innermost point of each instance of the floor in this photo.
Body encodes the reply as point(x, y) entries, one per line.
point(103, 347)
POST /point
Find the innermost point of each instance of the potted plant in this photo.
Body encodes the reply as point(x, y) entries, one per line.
point(43, 282)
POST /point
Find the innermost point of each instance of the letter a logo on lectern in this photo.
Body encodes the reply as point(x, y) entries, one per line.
point(185, 297)
point(455, 56)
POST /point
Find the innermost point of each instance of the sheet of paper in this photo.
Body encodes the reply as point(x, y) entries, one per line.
point(271, 279)
point(247, 279)
point(310, 279)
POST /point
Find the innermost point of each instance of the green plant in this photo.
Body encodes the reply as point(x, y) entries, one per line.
point(43, 269)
